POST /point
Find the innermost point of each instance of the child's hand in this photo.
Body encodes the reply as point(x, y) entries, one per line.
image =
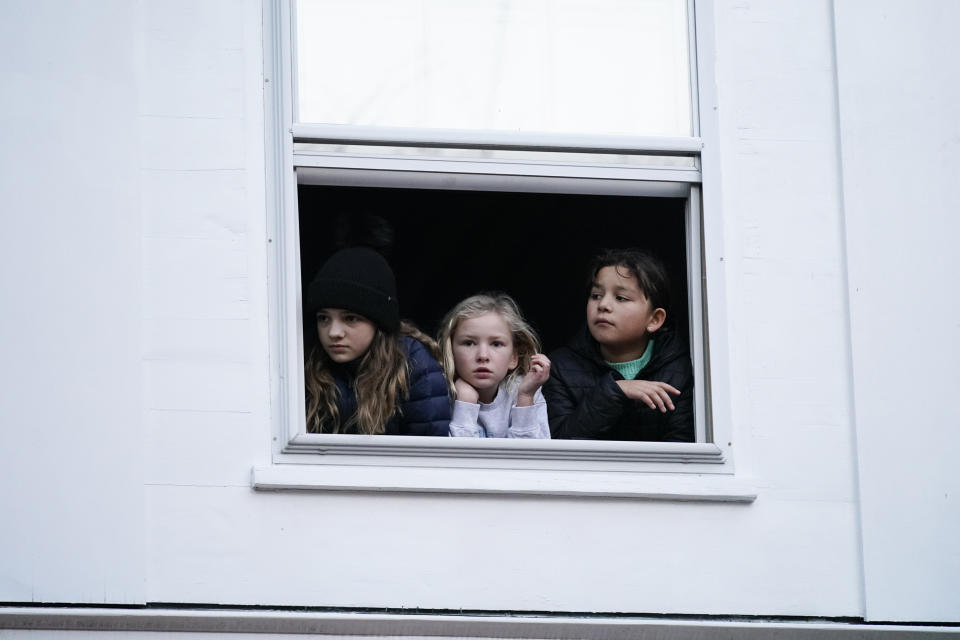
point(465, 391)
point(533, 380)
point(652, 393)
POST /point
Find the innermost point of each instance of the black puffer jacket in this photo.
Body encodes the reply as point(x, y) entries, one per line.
point(585, 402)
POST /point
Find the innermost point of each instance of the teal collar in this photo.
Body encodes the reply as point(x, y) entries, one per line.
point(629, 370)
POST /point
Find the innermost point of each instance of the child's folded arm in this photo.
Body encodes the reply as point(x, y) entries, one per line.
point(677, 425)
point(465, 421)
point(530, 422)
point(588, 417)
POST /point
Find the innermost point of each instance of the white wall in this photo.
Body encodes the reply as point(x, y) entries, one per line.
point(792, 552)
point(173, 208)
point(205, 358)
point(899, 79)
point(72, 496)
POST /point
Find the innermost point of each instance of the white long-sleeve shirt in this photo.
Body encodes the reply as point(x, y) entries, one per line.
point(502, 418)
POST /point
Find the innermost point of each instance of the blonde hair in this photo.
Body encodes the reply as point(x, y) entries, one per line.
point(525, 341)
point(382, 380)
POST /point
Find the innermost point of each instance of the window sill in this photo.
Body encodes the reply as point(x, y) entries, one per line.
point(647, 471)
point(421, 447)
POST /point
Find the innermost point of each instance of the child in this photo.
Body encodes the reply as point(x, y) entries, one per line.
point(494, 371)
point(368, 375)
point(626, 376)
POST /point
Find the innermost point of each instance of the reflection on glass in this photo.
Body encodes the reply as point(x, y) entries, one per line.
point(581, 66)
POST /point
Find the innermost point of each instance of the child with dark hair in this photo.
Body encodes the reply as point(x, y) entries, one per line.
point(370, 373)
point(626, 376)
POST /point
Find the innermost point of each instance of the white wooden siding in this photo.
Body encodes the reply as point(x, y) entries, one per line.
point(136, 377)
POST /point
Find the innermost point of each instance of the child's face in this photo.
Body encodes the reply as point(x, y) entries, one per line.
point(619, 315)
point(344, 335)
point(483, 353)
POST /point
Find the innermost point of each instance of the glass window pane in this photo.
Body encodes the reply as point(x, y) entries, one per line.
point(575, 66)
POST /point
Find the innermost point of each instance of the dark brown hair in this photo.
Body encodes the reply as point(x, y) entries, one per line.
point(649, 272)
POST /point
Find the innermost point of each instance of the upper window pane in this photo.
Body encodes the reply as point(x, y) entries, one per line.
point(575, 66)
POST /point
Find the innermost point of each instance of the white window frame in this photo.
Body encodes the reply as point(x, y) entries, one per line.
point(652, 470)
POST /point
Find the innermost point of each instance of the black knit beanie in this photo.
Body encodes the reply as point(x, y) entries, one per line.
point(359, 280)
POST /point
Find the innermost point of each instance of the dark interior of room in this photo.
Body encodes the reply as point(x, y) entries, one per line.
point(447, 245)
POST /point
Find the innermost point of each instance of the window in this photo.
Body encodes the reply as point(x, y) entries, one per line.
point(523, 105)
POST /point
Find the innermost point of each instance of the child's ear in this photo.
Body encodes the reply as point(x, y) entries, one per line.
point(657, 318)
point(514, 361)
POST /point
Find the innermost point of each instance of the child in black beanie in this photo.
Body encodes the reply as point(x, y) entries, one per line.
point(370, 372)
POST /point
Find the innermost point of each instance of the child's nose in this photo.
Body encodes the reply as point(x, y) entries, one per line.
point(482, 353)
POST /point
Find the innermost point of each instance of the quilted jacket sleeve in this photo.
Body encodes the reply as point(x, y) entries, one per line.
point(581, 404)
point(679, 426)
point(426, 412)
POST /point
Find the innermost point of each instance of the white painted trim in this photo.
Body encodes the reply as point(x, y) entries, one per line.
point(589, 457)
point(488, 139)
point(695, 285)
point(503, 169)
point(409, 179)
point(433, 450)
point(715, 353)
point(537, 482)
point(692, 37)
point(485, 457)
point(283, 244)
point(413, 625)
point(275, 145)
point(291, 47)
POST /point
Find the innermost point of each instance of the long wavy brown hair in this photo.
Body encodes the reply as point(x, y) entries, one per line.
point(381, 381)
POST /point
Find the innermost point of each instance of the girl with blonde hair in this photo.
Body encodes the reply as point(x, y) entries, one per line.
point(494, 370)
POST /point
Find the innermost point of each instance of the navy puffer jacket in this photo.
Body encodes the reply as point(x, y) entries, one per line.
point(425, 412)
point(585, 402)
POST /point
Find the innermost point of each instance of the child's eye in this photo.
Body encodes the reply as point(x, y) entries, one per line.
point(623, 299)
point(466, 342)
point(351, 319)
point(323, 319)
point(499, 343)
point(595, 296)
